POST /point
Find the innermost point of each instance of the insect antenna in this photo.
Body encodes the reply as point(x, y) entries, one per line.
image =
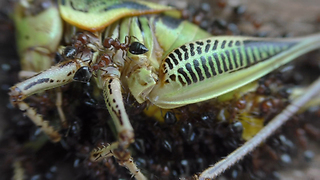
point(260, 137)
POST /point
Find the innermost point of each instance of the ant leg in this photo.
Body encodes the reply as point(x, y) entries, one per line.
point(126, 46)
point(124, 55)
point(135, 38)
point(127, 40)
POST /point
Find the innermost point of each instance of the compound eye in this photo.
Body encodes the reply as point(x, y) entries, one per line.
point(83, 74)
point(137, 48)
point(70, 52)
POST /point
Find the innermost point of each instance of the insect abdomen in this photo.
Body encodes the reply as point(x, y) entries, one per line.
point(207, 68)
point(200, 60)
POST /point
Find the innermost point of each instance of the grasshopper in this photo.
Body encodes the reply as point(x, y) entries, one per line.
point(176, 63)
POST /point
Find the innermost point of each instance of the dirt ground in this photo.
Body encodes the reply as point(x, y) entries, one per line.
point(275, 18)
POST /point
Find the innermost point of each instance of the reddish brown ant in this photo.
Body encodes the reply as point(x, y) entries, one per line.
point(105, 60)
point(82, 39)
point(84, 73)
point(136, 48)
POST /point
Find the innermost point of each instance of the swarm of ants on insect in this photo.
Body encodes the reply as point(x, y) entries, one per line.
point(177, 147)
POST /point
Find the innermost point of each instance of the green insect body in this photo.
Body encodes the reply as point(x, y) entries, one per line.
point(120, 73)
point(184, 64)
point(37, 42)
point(97, 14)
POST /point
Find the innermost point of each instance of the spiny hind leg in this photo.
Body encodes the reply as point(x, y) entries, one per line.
point(122, 156)
point(56, 76)
point(39, 121)
point(114, 102)
point(16, 98)
point(63, 119)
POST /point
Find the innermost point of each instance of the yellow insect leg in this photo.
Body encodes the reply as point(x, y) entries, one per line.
point(114, 102)
point(56, 76)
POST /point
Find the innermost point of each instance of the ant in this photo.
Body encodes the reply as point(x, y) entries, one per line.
point(136, 48)
point(84, 73)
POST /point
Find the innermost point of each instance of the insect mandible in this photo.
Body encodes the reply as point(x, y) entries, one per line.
point(173, 73)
